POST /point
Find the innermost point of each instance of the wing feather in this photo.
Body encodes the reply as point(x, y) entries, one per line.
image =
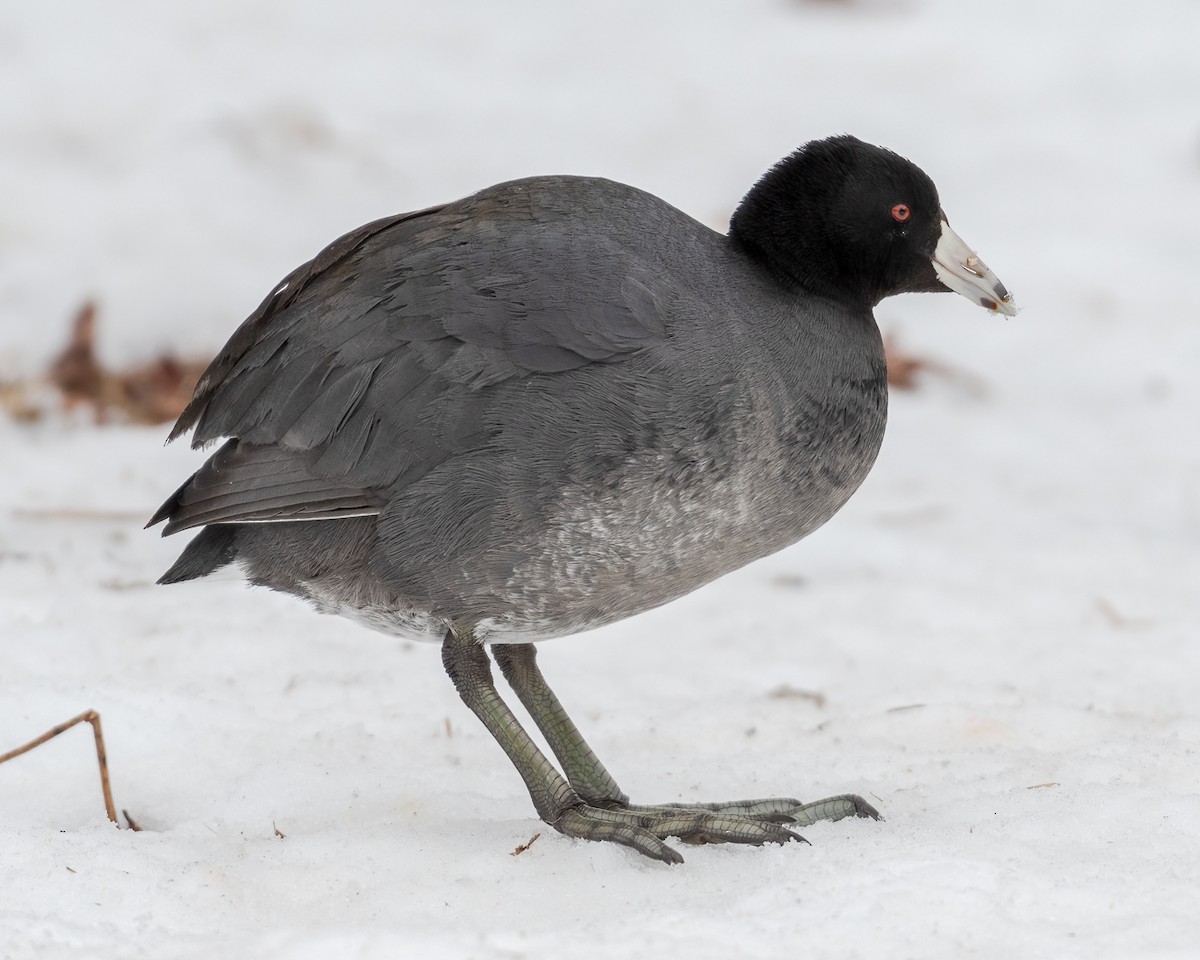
point(376, 361)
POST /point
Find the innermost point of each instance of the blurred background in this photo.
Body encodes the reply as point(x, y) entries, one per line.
point(1022, 565)
point(173, 161)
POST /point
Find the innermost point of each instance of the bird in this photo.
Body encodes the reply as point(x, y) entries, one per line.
point(557, 403)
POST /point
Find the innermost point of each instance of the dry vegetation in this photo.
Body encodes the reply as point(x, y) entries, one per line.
point(146, 393)
point(158, 390)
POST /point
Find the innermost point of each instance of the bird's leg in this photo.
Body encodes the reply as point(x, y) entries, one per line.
point(518, 663)
point(467, 664)
point(557, 802)
point(595, 785)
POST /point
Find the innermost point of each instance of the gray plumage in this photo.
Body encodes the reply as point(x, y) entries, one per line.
point(558, 403)
point(553, 416)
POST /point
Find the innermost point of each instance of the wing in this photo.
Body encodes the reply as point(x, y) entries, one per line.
point(376, 361)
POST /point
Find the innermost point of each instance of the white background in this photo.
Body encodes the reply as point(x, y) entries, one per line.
point(1010, 601)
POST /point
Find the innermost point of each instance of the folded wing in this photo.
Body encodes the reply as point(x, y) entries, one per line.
point(377, 360)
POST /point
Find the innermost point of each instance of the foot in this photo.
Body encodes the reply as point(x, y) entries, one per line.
point(644, 828)
point(785, 809)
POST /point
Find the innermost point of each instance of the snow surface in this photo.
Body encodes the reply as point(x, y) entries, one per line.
point(1004, 622)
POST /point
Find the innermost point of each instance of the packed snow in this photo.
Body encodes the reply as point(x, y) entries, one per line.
point(997, 642)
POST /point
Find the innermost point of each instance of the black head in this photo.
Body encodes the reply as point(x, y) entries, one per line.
point(845, 219)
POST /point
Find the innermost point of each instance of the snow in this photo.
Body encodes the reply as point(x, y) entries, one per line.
point(1003, 622)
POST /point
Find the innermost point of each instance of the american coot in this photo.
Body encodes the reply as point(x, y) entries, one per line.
point(557, 403)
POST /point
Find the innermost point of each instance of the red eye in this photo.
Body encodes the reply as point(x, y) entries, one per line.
point(901, 212)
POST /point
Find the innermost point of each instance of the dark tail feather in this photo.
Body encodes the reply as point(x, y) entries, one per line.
point(215, 547)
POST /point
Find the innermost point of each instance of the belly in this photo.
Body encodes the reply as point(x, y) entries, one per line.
point(662, 533)
point(659, 526)
point(659, 534)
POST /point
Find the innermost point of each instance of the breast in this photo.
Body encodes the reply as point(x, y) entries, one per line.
point(671, 520)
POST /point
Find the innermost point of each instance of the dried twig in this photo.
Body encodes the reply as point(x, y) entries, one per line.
point(88, 716)
point(525, 846)
point(73, 514)
point(1118, 619)
point(785, 691)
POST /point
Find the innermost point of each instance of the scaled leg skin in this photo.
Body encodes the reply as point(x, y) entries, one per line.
point(518, 663)
point(593, 783)
point(560, 805)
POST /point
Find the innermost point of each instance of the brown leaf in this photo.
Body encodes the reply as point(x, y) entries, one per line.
point(75, 371)
point(902, 368)
point(146, 393)
point(157, 392)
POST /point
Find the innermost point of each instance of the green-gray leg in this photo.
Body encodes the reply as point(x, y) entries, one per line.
point(558, 803)
point(468, 666)
point(518, 663)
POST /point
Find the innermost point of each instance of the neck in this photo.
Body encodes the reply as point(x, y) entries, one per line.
point(787, 239)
